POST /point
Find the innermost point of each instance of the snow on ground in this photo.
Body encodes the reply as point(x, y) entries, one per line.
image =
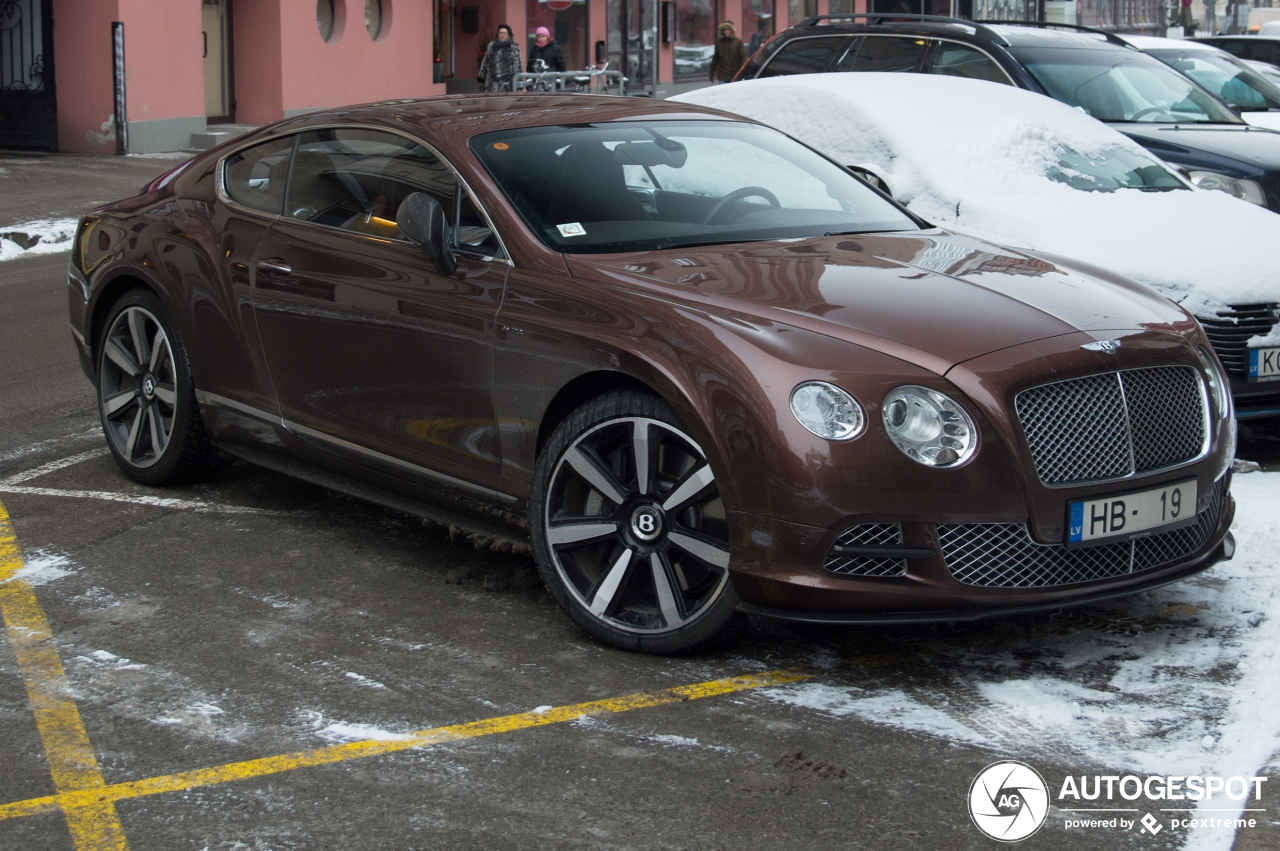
point(1183, 680)
point(42, 236)
point(975, 156)
point(41, 568)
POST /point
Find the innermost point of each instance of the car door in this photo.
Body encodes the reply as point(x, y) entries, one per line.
point(374, 355)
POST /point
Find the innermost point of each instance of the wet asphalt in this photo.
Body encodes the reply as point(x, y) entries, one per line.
point(278, 617)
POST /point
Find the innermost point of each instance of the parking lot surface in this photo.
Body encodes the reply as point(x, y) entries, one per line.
point(257, 663)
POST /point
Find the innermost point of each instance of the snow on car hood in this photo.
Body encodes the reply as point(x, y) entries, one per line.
point(973, 156)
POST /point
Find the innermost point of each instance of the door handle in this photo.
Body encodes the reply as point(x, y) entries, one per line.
point(274, 268)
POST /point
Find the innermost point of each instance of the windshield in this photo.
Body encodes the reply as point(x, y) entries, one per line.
point(1109, 170)
point(1122, 86)
point(1235, 83)
point(645, 185)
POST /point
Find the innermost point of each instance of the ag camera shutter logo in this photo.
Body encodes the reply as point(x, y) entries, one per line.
point(1008, 801)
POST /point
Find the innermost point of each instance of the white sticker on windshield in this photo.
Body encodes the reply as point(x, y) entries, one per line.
point(572, 229)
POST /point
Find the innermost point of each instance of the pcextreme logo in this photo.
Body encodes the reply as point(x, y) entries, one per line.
point(1009, 801)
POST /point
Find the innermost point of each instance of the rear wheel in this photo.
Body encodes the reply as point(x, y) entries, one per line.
point(146, 397)
point(629, 528)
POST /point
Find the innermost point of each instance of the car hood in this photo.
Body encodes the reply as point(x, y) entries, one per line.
point(931, 298)
point(1254, 146)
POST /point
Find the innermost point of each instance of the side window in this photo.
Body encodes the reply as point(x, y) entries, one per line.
point(472, 233)
point(850, 53)
point(1235, 48)
point(961, 60)
point(805, 56)
point(889, 53)
point(256, 177)
point(1266, 51)
point(355, 179)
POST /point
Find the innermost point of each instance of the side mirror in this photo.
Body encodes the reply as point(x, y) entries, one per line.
point(421, 218)
point(871, 177)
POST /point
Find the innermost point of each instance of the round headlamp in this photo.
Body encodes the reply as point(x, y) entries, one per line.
point(827, 411)
point(929, 427)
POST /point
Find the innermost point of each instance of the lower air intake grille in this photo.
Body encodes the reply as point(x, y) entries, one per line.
point(1003, 555)
point(868, 535)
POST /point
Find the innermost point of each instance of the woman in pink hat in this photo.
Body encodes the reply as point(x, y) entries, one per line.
point(546, 49)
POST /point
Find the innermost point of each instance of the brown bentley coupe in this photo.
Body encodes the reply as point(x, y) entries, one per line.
point(703, 368)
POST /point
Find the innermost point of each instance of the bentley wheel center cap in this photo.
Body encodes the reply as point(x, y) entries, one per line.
point(646, 523)
point(149, 386)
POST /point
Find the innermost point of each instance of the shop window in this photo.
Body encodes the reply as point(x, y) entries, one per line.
point(696, 33)
point(801, 9)
point(567, 26)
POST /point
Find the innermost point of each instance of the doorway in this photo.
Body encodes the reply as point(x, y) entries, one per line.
point(219, 93)
point(28, 107)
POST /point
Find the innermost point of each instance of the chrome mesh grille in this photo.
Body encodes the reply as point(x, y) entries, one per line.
point(1229, 332)
point(1156, 398)
point(868, 535)
point(1003, 555)
point(1113, 425)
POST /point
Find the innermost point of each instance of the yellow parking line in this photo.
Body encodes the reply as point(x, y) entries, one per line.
point(94, 825)
point(372, 747)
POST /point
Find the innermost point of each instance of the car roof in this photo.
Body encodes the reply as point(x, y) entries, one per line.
point(1151, 42)
point(1212, 38)
point(470, 115)
point(1009, 34)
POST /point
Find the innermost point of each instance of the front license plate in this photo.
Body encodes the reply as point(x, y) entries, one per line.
point(1264, 364)
point(1108, 519)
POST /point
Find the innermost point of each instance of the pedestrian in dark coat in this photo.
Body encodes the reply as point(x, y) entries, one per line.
point(730, 55)
point(501, 61)
point(546, 49)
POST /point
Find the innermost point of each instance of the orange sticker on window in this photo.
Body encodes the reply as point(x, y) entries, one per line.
point(500, 146)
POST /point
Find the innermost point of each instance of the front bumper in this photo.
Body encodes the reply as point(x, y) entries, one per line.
point(778, 572)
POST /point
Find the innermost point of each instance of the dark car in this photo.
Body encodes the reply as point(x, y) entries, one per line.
point(702, 367)
point(1097, 72)
point(1260, 48)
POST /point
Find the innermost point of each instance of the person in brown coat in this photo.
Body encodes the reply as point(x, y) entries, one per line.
point(730, 55)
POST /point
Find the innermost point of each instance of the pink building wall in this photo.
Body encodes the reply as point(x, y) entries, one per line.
point(82, 50)
point(351, 68)
point(257, 75)
point(164, 73)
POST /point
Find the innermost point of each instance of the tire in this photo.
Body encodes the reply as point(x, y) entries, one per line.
point(146, 397)
point(640, 562)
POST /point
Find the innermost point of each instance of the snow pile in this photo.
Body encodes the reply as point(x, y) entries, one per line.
point(1182, 680)
point(43, 236)
point(973, 156)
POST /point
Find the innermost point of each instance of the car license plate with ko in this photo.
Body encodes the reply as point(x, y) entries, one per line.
point(1264, 364)
point(1120, 517)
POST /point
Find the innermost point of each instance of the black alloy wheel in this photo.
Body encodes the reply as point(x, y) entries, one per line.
point(629, 528)
point(146, 397)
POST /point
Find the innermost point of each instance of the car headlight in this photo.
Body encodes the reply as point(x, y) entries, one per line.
point(827, 411)
point(929, 427)
point(1246, 190)
point(1220, 386)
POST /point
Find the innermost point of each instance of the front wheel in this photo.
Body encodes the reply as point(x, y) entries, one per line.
point(629, 529)
point(146, 396)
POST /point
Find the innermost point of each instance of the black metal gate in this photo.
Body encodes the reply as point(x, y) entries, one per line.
point(28, 112)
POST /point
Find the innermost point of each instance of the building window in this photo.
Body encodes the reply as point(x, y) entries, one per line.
point(373, 18)
point(696, 23)
point(567, 24)
point(801, 9)
point(325, 17)
point(757, 24)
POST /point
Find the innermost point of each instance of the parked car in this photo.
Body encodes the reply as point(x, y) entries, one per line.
point(1093, 71)
point(693, 58)
point(1266, 69)
point(1239, 86)
point(1263, 48)
point(1023, 170)
point(707, 368)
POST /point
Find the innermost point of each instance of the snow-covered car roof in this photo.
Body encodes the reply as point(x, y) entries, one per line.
point(976, 157)
point(1151, 42)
